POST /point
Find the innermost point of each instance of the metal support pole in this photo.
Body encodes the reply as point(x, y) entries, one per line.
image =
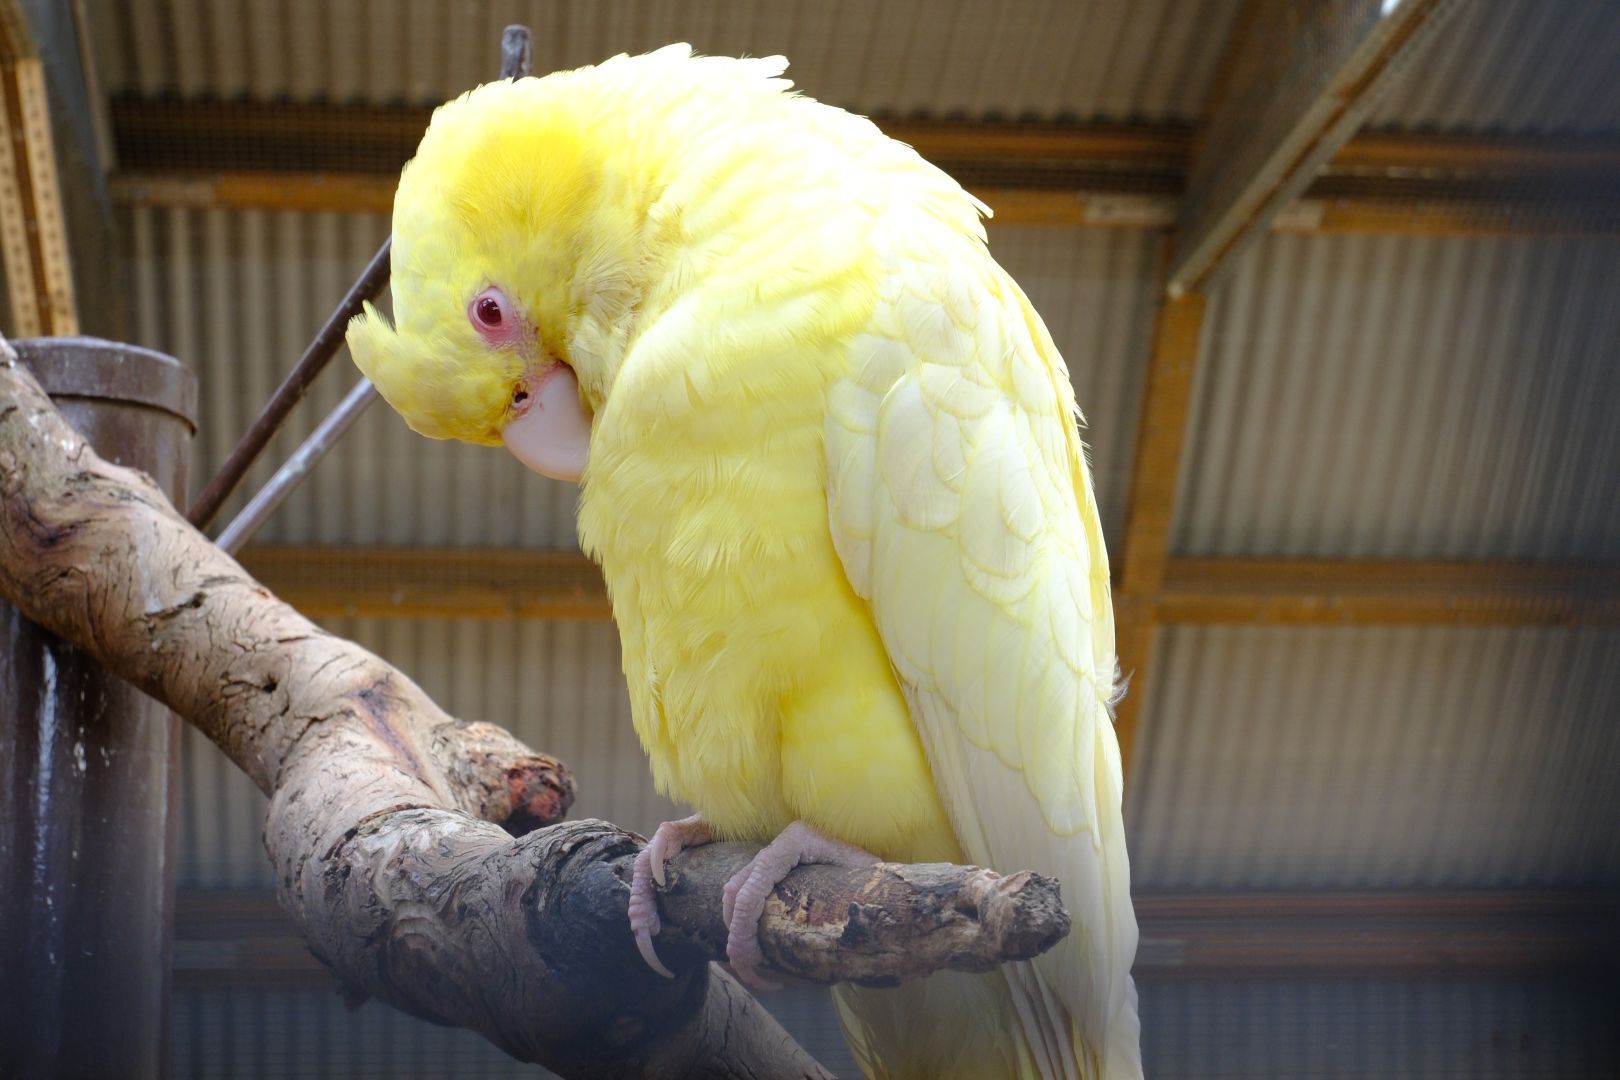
point(87, 775)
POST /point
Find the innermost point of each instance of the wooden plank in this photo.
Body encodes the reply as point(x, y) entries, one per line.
point(430, 583)
point(33, 235)
point(261, 155)
point(1299, 78)
point(226, 939)
point(1385, 154)
point(172, 135)
point(1340, 592)
point(17, 252)
point(1033, 206)
point(365, 194)
point(1134, 147)
point(1159, 438)
point(94, 296)
point(506, 583)
point(1419, 215)
point(1160, 435)
point(352, 193)
point(1295, 82)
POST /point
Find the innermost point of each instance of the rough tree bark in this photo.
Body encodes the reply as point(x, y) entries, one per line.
point(422, 857)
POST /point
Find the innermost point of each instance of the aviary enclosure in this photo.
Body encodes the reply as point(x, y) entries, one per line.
point(1335, 287)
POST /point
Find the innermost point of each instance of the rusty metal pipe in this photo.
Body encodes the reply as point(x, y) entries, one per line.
point(88, 768)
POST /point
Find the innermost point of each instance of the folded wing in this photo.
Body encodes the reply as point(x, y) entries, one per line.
point(962, 510)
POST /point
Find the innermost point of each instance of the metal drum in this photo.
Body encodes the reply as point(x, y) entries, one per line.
point(88, 775)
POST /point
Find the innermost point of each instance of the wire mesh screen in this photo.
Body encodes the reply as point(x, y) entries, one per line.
point(1428, 375)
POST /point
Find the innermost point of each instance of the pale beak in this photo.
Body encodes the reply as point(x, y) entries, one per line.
point(550, 429)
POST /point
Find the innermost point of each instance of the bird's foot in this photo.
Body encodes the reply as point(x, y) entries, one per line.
point(667, 842)
point(747, 891)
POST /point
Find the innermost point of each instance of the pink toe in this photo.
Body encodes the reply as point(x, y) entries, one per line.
point(728, 895)
point(744, 956)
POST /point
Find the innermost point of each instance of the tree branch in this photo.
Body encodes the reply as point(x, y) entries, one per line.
point(421, 856)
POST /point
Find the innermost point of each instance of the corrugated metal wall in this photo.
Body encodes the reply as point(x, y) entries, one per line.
point(1515, 67)
point(271, 1034)
point(1144, 60)
point(555, 685)
point(238, 294)
point(1414, 1029)
point(1435, 1029)
point(1379, 757)
point(1409, 397)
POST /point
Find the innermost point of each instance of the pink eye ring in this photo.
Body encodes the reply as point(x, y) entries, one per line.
point(495, 318)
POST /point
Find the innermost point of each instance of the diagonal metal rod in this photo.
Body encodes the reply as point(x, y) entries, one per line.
point(295, 468)
point(516, 58)
point(321, 349)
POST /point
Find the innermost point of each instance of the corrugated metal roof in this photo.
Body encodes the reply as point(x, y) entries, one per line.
point(1378, 757)
point(555, 685)
point(1142, 60)
point(1408, 397)
point(238, 294)
point(1515, 67)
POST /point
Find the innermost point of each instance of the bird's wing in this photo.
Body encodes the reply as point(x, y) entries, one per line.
point(962, 510)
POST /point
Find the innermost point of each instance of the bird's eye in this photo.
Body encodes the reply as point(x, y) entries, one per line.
point(496, 318)
point(487, 309)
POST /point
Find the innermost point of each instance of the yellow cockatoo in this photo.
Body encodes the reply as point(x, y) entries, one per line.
point(831, 471)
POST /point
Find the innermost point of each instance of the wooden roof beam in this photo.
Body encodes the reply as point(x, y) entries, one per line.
point(367, 194)
point(242, 939)
point(165, 135)
point(1337, 592)
point(1155, 468)
point(393, 582)
point(431, 583)
point(1298, 80)
point(307, 157)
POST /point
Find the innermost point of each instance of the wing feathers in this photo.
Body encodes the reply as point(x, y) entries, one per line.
point(961, 508)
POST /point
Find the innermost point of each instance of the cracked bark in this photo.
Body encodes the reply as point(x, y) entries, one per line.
point(423, 858)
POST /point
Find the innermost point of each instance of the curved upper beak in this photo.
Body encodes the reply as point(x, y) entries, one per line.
point(550, 428)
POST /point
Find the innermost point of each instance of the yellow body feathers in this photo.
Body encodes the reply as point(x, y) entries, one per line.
point(835, 486)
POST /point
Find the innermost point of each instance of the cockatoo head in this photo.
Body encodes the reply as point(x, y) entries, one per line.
point(513, 264)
